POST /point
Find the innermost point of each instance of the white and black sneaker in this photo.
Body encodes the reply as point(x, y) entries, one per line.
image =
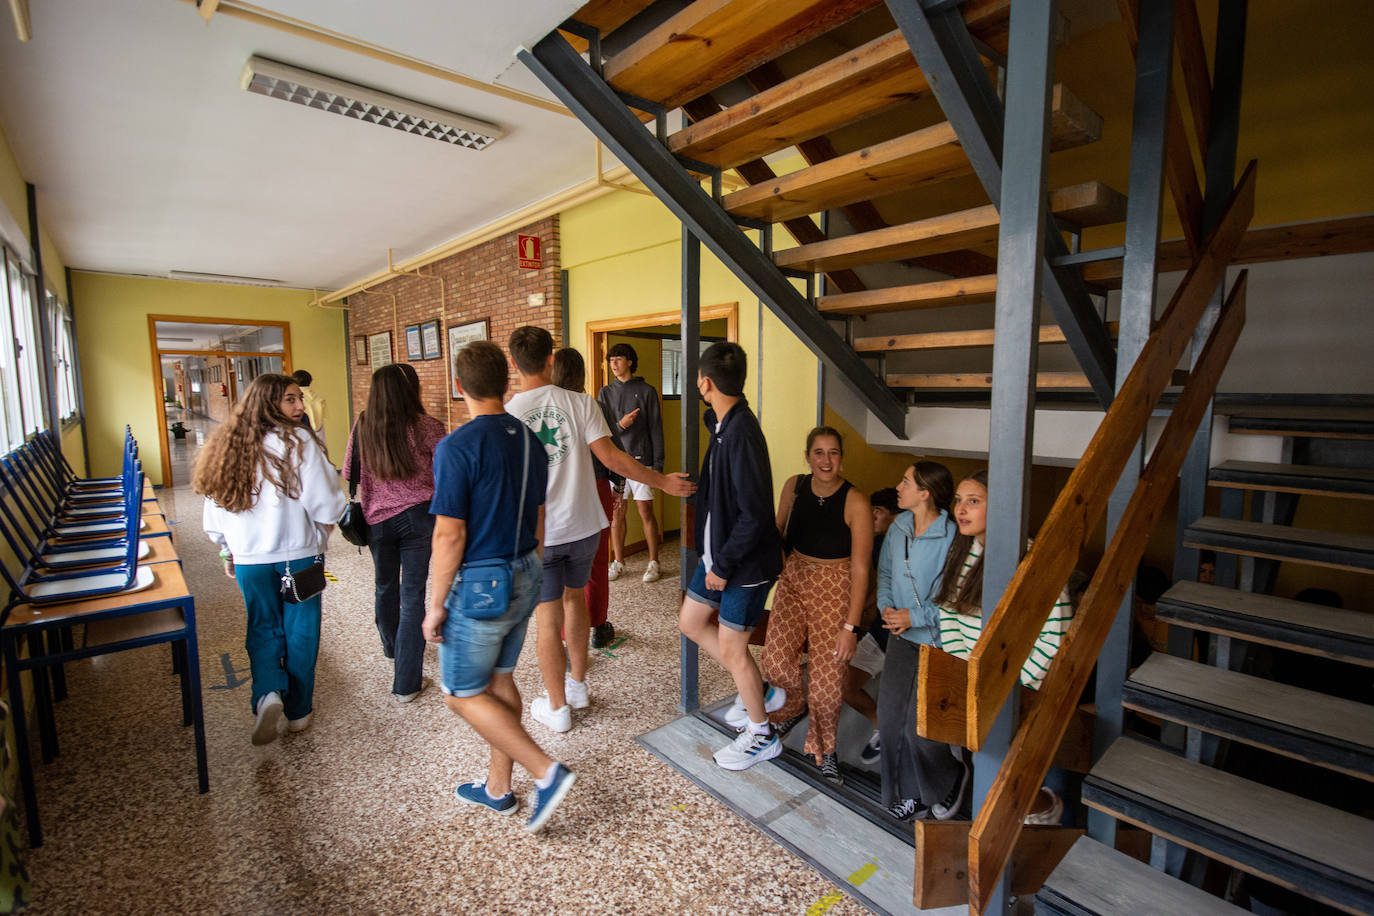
point(830, 769)
point(747, 749)
point(908, 809)
point(872, 750)
point(949, 806)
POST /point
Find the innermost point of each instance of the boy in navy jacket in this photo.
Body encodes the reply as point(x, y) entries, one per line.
point(741, 551)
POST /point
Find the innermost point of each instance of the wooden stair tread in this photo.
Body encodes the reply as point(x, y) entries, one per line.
point(605, 16)
point(947, 340)
point(971, 228)
point(1294, 478)
point(872, 77)
point(1324, 730)
point(922, 157)
point(1313, 628)
point(1295, 841)
point(711, 42)
point(1095, 879)
point(1046, 381)
point(1317, 422)
point(1283, 542)
point(936, 294)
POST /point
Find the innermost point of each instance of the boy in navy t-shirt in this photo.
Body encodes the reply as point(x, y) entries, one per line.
point(477, 481)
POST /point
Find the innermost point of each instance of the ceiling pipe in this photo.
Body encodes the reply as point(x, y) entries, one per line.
point(23, 26)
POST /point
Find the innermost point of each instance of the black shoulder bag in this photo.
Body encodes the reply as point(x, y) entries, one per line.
point(352, 525)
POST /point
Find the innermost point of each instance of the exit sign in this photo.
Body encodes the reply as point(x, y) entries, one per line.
point(527, 248)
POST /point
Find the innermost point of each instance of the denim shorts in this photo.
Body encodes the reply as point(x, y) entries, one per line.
point(474, 650)
point(568, 566)
point(740, 606)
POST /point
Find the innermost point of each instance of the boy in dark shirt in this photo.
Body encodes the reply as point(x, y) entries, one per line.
point(737, 535)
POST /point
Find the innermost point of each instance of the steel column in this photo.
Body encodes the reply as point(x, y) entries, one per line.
point(1149, 131)
point(48, 388)
point(941, 44)
point(689, 697)
point(1020, 262)
point(1221, 178)
point(562, 69)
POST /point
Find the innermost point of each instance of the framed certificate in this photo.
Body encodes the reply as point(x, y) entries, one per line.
point(379, 350)
point(430, 345)
point(360, 350)
point(413, 352)
point(459, 336)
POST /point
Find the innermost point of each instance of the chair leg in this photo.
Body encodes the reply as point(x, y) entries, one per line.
point(192, 676)
point(58, 640)
point(179, 663)
point(21, 742)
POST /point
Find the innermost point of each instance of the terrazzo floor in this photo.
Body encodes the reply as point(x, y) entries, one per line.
point(357, 813)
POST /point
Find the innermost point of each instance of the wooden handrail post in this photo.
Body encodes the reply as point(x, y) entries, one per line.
point(1023, 769)
point(1010, 632)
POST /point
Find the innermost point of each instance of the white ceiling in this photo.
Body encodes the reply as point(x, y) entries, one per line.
point(128, 118)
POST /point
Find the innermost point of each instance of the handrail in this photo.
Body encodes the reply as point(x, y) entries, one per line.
point(993, 835)
point(1010, 632)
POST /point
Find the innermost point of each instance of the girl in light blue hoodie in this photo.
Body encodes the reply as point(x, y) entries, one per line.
point(914, 770)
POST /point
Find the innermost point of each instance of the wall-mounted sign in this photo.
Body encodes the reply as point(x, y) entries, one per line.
point(528, 248)
point(379, 349)
point(459, 336)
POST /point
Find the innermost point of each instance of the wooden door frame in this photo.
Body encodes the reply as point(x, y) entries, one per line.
point(164, 449)
point(598, 373)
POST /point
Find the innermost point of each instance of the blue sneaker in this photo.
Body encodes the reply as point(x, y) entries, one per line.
point(546, 801)
point(475, 793)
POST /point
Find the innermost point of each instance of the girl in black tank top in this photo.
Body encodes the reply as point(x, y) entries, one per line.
point(827, 526)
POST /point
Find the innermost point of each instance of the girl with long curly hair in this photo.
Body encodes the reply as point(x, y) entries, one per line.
point(271, 497)
point(395, 440)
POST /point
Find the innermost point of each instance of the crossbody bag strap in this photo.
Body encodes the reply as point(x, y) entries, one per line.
point(524, 483)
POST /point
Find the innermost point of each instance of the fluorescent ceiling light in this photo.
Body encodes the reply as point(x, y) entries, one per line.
point(221, 278)
point(279, 81)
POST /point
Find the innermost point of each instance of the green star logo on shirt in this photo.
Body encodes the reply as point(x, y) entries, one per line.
point(547, 434)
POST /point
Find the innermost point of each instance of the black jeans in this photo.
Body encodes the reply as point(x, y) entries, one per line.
point(400, 555)
point(911, 766)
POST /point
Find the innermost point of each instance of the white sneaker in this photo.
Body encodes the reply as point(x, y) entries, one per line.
point(271, 721)
point(614, 570)
point(651, 573)
point(410, 697)
point(299, 725)
point(558, 720)
point(773, 699)
point(747, 749)
point(576, 692)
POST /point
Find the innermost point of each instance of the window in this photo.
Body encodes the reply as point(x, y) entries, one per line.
point(26, 347)
point(12, 420)
point(672, 365)
point(64, 362)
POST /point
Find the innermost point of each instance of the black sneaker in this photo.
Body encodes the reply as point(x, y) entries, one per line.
point(786, 725)
point(949, 806)
point(830, 769)
point(603, 635)
point(908, 809)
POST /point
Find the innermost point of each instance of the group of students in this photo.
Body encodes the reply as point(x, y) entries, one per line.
point(511, 496)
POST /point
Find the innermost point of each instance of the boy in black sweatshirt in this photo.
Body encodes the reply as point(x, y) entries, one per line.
point(741, 552)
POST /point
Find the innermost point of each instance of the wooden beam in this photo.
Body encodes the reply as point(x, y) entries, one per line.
point(1010, 631)
point(605, 16)
point(1044, 381)
point(941, 878)
point(995, 829)
point(1192, 58)
point(23, 24)
point(913, 160)
point(949, 340)
point(711, 42)
point(1344, 235)
point(937, 294)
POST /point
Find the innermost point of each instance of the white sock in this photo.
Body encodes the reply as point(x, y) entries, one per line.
point(759, 728)
point(547, 779)
point(487, 789)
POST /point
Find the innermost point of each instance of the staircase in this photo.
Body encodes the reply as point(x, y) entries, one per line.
point(1315, 848)
point(887, 152)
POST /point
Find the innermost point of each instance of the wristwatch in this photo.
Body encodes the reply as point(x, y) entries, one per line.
point(851, 628)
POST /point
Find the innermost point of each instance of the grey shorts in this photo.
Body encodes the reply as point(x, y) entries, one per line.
point(568, 566)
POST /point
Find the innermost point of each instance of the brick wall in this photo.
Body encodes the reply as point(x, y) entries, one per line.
point(485, 282)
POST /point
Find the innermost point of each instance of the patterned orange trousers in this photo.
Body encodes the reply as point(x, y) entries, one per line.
point(809, 606)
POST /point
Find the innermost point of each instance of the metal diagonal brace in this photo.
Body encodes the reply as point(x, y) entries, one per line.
point(944, 50)
point(562, 69)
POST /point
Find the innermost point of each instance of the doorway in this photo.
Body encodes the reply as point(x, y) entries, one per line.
point(201, 367)
point(657, 339)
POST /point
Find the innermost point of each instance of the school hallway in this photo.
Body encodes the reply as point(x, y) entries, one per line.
point(357, 814)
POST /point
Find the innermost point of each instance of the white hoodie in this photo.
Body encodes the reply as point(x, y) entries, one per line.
point(276, 529)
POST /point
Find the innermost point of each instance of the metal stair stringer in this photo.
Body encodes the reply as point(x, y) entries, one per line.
point(945, 52)
point(598, 106)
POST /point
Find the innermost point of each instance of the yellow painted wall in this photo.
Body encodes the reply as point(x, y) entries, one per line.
point(622, 253)
point(116, 354)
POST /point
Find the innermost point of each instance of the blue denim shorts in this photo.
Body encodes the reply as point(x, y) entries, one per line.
point(474, 650)
point(740, 606)
point(568, 566)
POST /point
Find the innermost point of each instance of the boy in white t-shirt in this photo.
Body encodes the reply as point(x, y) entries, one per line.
point(572, 428)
